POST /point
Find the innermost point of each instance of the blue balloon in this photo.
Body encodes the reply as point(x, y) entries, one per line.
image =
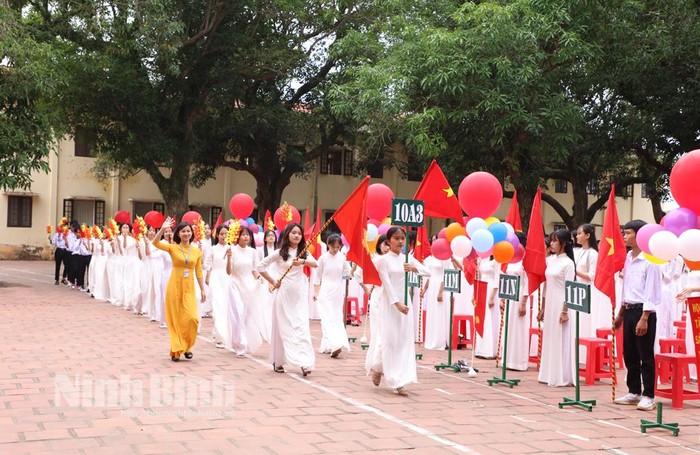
point(499, 232)
point(250, 220)
point(482, 240)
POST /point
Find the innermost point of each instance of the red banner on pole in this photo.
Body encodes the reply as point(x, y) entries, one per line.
point(694, 315)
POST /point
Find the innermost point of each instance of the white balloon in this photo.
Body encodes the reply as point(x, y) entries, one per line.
point(690, 244)
point(509, 228)
point(474, 224)
point(461, 246)
point(664, 245)
point(372, 232)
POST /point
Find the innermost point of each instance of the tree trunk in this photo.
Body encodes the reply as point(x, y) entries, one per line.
point(268, 194)
point(174, 189)
point(656, 207)
point(580, 207)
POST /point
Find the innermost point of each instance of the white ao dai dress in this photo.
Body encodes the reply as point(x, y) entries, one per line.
point(329, 304)
point(557, 365)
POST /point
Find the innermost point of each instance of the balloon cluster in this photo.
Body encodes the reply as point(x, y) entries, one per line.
point(480, 195)
point(679, 231)
point(379, 197)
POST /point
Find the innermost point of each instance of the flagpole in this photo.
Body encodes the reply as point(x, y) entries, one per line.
point(539, 328)
point(613, 354)
point(472, 371)
point(500, 334)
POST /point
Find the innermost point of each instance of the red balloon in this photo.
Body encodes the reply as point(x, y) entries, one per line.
point(440, 249)
point(281, 220)
point(154, 219)
point(480, 194)
point(379, 198)
point(122, 217)
point(442, 233)
point(191, 217)
point(241, 205)
point(684, 181)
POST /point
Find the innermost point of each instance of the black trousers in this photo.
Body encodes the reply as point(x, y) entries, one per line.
point(60, 258)
point(639, 353)
point(71, 266)
point(81, 268)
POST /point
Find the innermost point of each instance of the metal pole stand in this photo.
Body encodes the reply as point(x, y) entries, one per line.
point(441, 366)
point(586, 404)
point(502, 379)
point(673, 427)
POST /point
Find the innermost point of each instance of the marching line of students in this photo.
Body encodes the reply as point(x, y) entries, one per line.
point(175, 281)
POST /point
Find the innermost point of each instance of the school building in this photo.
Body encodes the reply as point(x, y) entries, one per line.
point(70, 189)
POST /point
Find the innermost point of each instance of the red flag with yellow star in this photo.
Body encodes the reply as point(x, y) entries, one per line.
point(611, 251)
point(351, 218)
point(422, 249)
point(437, 195)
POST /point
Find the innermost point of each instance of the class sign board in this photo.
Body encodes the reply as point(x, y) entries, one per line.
point(509, 287)
point(578, 296)
point(451, 281)
point(407, 212)
point(413, 280)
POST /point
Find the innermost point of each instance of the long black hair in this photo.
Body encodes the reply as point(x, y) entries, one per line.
point(269, 231)
point(564, 238)
point(285, 245)
point(251, 242)
point(590, 230)
point(215, 239)
point(380, 240)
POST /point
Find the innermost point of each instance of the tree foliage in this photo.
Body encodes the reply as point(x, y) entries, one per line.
point(29, 126)
point(529, 90)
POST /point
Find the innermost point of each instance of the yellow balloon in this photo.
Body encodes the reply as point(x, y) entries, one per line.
point(492, 219)
point(387, 220)
point(372, 246)
point(653, 259)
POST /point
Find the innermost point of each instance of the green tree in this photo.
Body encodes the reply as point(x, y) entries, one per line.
point(516, 88)
point(29, 127)
point(177, 89)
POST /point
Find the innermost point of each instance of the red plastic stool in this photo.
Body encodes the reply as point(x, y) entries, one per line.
point(679, 324)
point(533, 332)
point(619, 343)
point(668, 346)
point(597, 350)
point(680, 333)
point(352, 311)
point(676, 364)
point(461, 324)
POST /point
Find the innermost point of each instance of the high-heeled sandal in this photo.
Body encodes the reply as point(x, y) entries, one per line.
point(188, 355)
point(305, 371)
point(401, 391)
point(376, 378)
point(175, 359)
point(277, 369)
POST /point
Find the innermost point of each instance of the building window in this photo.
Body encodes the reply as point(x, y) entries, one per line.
point(84, 211)
point(215, 212)
point(559, 226)
point(159, 207)
point(337, 162)
point(414, 171)
point(348, 156)
point(68, 209)
point(84, 141)
point(19, 211)
point(100, 213)
point(644, 191)
point(627, 191)
point(560, 186)
point(593, 187)
point(141, 208)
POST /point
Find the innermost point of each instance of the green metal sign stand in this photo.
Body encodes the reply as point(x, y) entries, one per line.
point(508, 289)
point(646, 424)
point(452, 282)
point(407, 212)
point(578, 298)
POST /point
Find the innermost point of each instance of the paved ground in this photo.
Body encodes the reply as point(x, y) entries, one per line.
point(80, 376)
